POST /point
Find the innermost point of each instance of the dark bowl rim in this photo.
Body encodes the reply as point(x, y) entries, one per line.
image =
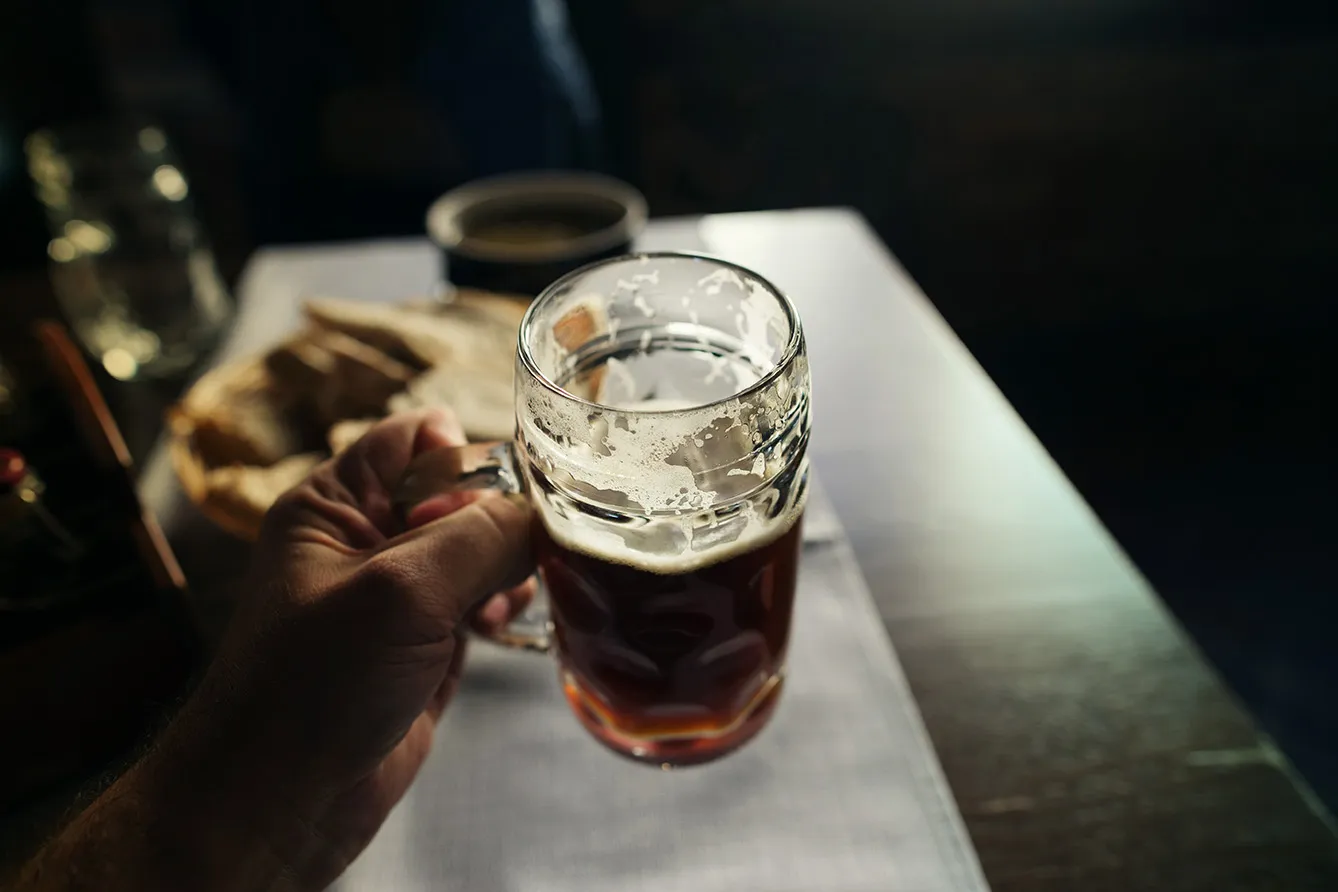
point(544, 188)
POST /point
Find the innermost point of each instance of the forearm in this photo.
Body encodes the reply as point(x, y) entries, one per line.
point(192, 814)
point(130, 838)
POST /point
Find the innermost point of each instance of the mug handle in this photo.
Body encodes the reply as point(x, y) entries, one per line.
point(476, 466)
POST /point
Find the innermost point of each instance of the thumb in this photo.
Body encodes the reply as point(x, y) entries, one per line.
point(471, 553)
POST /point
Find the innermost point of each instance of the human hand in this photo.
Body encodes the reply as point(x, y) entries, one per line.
point(348, 644)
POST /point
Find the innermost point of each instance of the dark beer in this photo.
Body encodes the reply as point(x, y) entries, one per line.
point(672, 668)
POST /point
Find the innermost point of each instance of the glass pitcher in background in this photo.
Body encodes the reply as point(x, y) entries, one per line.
point(130, 263)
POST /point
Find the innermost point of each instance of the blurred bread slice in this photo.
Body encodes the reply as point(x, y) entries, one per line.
point(505, 309)
point(468, 347)
point(238, 413)
point(338, 376)
point(425, 335)
point(482, 401)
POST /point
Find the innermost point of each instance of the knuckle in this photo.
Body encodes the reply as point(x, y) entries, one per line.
point(388, 597)
point(490, 529)
point(506, 519)
point(494, 540)
point(295, 502)
point(289, 510)
point(399, 600)
point(390, 573)
point(299, 499)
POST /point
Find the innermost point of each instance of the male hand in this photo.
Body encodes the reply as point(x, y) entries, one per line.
point(321, 704)
point(350, 641)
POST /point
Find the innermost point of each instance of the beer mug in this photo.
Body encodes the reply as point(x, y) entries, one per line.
point(662, 422)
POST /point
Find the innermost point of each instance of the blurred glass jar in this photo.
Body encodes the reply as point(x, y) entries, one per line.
point(130, 263)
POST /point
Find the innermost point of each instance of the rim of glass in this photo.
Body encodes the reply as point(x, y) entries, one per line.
point(787, 356)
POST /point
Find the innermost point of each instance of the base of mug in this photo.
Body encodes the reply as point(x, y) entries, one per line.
point(677, 751)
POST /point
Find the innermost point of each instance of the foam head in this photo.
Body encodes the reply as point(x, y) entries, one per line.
point(662, 406)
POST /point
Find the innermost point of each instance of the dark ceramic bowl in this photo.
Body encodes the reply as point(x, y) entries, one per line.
point(518, 232)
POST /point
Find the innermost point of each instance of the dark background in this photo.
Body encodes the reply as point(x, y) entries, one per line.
point(1125, 208)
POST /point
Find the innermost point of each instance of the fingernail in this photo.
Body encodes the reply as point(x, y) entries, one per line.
point(496, 612)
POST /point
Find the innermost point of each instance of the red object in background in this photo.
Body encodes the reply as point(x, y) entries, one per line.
point(13, 468)
point(22, 508)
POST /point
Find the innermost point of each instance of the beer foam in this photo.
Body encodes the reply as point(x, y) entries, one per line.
point(602, 541)
point(699, 479)
point(655, 471)
point(656, 460)
point(634, 464)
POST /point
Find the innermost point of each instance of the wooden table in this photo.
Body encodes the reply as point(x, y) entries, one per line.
point(1088, 744)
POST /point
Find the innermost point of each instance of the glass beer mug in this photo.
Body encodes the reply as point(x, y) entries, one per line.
point(662, 420)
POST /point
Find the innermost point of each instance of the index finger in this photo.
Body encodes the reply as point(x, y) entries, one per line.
point(370, 469)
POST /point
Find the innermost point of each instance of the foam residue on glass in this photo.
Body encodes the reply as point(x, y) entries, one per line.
point(668, 457)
